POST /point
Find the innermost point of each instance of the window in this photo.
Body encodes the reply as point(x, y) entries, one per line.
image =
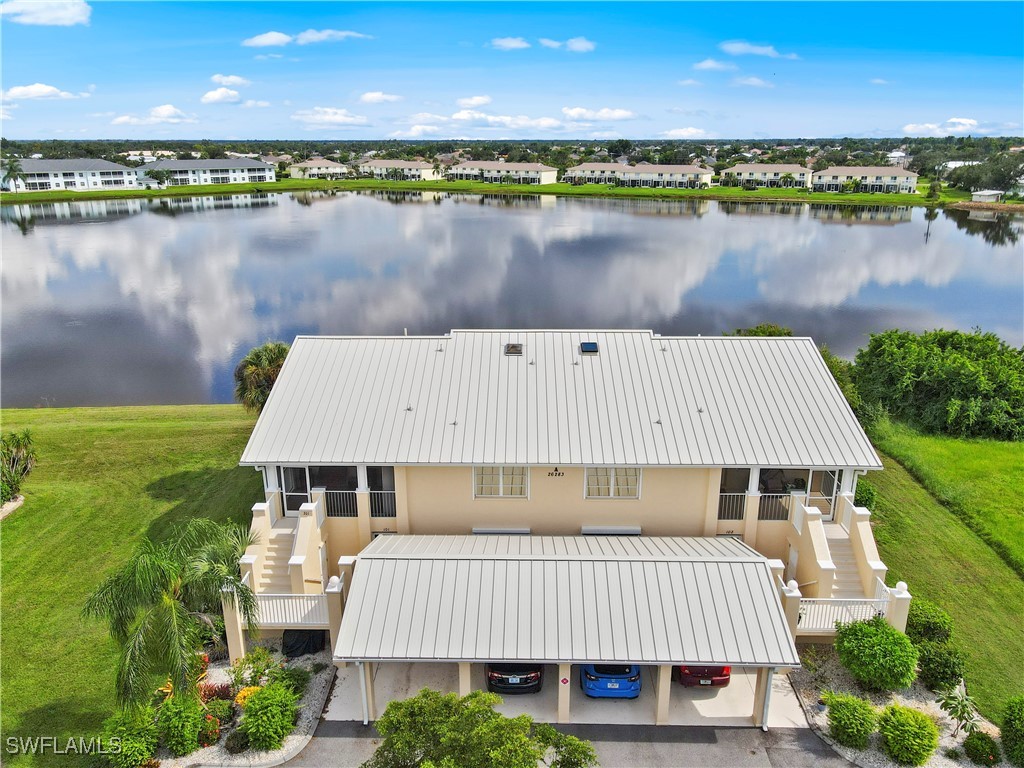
point(612, 483)
point(500, 481)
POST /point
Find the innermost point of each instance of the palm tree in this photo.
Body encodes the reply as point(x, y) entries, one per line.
point(787, 179)
point(157, 603)
point(13, 173)
point(257, 372)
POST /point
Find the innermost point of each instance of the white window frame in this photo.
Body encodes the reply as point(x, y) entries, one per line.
point(501, 482)
point(612, 496)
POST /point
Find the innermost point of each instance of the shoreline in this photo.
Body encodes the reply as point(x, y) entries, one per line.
point(722, 194)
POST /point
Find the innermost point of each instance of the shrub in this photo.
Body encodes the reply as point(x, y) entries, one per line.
point(136, 729)
point(940, 665)
point(179, 721)
point(879, 656)
point(865, 495)
point(982, 749)
point(221, 709)
point(851, 720)
point(270, 716)
point(909, 737)
point(952, 753)
point(212, 691)
point(1012, 733)
point(244, 694)
point(252, 668)
point(17, 459)
point(295, 678)
point(237, 741)
point(926, 621)
point(209, 730)
point(960, 708)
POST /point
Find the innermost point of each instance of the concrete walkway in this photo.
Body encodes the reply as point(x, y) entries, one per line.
point(347, 745)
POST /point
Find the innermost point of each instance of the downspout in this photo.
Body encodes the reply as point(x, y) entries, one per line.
point(767, 699)
point(362, 691)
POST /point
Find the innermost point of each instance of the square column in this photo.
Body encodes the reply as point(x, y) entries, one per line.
point(762, 697)
point(371, 694)
point(234, 628)
point(664, 691)
point(564, 689)
point(465, 678)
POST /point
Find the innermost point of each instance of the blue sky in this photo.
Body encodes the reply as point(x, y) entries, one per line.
point(324, 70)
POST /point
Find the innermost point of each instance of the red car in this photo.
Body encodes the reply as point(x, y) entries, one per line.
point(694, 675)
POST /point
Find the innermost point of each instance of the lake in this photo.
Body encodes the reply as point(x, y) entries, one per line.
point(154, 301)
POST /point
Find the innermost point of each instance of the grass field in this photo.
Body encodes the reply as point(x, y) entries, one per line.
point(106, 478)
point(942, 560)
point(566, 190)
point(981, 481)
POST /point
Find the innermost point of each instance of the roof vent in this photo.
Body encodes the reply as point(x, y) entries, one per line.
point(513, 349)
point(588, 347)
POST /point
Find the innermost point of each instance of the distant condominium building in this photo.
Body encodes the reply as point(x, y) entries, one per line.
point(494, 172)
point(769, 175)
point(643, 175)
point(866, 179)
point(79, 174)
point(229, 170)
point(317, 168)
point(400, 170)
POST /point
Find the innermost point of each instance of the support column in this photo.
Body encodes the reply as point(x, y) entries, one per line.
point(234, 630)
point(465, 678)
point(371, 694)
point(333, 594)
point(401, 501)
point(711, 508)
point(790, 595)
point(750, 514)
point(363, 516)
point(899, 606)
point(664, 691)
point(762, 697)
point(564, 689)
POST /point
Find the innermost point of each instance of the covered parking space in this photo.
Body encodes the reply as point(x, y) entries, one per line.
point(438, 607)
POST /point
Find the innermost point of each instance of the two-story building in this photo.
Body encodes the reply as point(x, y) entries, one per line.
point(865, 179)
point(76, 174)
point(317, 168)
point(603, 486)
point(497, 172)
point(222, 171)
point(770, 174)
point(643, 175)
point(400, 170)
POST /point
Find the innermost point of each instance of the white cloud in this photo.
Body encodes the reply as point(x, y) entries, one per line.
point(37, 91)
point(579, 45)
point(752, 82)
point(509, 43)
point(4, 114)
point(690, 82)
point(267, 39)
point(165, 113)
point(102, 114)
point(685, 133)
point(878, 81)
point(473, 101)
point(378, 97)
point(251, 103)
point(56, 13)
point(327, 36)
point(220, 96)
point(743, 48)
point(234, 80)
point(714, 65)
point(549, 43)
point(474, 117)
point(416, 131)
point(950, 127)
point(605, 113)
point(266, 56)
point(327, 117)
point(427, 117)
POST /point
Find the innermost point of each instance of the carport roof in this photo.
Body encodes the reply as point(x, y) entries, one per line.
point(564, 599)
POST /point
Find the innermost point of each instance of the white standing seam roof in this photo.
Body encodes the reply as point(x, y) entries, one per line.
point(572, 599)
point(642, 400)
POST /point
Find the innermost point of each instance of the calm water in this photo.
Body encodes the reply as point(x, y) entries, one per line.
point(138, 301)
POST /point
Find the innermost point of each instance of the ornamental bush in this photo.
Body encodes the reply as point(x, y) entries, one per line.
point(252, 669)
point(940, 665)
point(879, 656)
point(243, 695)
point(295, 678)
point(237, 741)
point(136, 728)
point(1012, 733)
point(270, 716)
point(865, 495)
point(851, 720)
point(982, 749)
point(926, 621)
point(179, 721)
point(209, 730)
point(223, 710)
point(909, 737)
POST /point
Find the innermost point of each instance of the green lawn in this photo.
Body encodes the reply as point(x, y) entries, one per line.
point(106, 478)
point(942, 560)
point(981, 481)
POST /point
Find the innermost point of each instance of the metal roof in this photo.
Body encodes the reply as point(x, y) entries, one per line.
point(643, 400)
point(29, 165)
point(615, 168)
point(865, 170)
point(572, 599)
point(207, 165)
point(499, 165)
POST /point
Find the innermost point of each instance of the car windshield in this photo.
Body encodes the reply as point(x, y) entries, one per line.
point(513, 669)
point(620, 670)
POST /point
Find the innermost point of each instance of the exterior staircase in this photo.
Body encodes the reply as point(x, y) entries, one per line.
point(276, 578)
point(846, 584)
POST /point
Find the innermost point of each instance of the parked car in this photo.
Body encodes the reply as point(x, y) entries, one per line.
point(514, 678)
point(612, 681)
point(697, 675)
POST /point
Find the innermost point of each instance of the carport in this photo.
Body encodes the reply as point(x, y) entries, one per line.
point(657, 602)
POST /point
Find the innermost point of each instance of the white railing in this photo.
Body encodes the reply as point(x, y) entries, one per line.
point(293, 611)
point(774, 506)
point(731, 506)
point(882, 592)
point(819, 615)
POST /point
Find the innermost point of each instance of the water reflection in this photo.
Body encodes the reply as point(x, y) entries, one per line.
point(147, 304)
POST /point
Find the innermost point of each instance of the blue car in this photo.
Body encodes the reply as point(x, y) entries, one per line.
point(610, 681)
